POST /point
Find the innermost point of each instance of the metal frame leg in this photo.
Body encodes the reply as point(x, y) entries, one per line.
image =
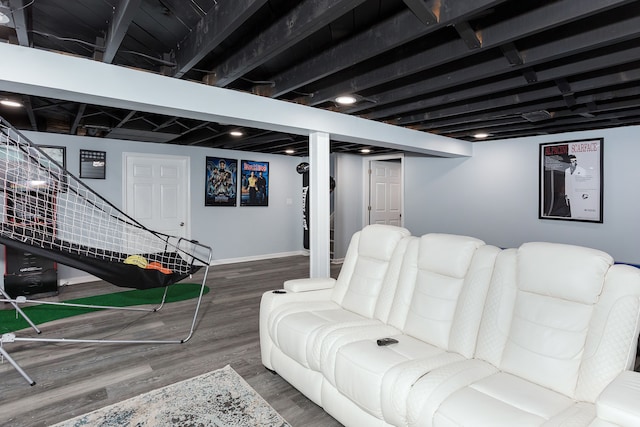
point(17, 367)
point(14, 303)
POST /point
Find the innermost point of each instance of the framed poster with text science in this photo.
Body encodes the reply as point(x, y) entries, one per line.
point(254, 183)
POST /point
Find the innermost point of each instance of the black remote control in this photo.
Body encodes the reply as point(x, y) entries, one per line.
point(386, 341)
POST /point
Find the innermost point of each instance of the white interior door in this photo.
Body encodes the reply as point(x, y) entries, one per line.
point(156, 192)
point(385, 192)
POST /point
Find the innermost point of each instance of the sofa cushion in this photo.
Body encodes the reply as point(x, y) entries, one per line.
point(294, 326)
point(433, 305)
point(364, 371)
point(444, 311)
point(371, 265)
point(540, 313)
point(502, 399)
point(448, 255)
point(572, 273)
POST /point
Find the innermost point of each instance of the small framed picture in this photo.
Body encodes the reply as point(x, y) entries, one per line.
point(57, 154)
point(221, 182)
point(571, 180)
point(255, 183)
point(93, 164)
point(58, 169)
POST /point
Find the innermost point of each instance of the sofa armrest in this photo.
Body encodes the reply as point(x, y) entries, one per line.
point(311, 284)
point(618, 402)
point(296, 291)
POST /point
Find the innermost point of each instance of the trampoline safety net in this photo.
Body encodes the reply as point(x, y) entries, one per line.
point(49, 212)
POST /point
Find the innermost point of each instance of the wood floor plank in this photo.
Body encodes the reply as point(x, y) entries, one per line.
point(73, 379)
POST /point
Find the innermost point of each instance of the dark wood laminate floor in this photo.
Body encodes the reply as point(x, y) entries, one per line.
point(73, 378)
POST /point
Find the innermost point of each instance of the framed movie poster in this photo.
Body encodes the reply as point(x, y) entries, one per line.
point(255, 183)
point(221, 182)
point(571, 180)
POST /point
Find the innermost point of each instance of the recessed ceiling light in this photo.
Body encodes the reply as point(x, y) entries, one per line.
point(481, 135)
point(290, 151)
point(235, 133)
point(4, 19)
point(346, 99)
point(9, 103)
point(365, 150)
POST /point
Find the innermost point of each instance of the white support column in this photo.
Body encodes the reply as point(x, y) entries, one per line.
point(319, 202)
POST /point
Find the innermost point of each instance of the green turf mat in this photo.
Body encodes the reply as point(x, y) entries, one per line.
point(38, 314)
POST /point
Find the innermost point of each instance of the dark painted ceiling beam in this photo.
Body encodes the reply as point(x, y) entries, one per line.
point(22, 21)
point(28, 107)
point(266, 138)
point(605, 100)
point(166, 123)
point(512, 54)
point(393, 32)
point(565, 89)
point(422, 10)
point(302, 21)
point(467, 34)
point(122, 16)
point(607, 61)
point(126, 118)
point(200, 139)
point(194, 128)
point(515, 110)
point(552, 15)
point(389, 34)
point(76, 121)
point(541, 19)
point(537, 55)
point(567, 124)
point(495, 127)
point(463, 130)
point(587, 84)
point(219, 22)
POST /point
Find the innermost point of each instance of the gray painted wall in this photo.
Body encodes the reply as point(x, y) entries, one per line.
point(349, 199)
point(234, 233)
point(493, 195)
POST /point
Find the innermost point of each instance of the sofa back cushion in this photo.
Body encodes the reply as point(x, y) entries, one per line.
point(441, 290)
point(371, 265)
point(545, 312)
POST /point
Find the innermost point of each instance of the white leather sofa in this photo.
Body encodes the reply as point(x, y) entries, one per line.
point(541, 335)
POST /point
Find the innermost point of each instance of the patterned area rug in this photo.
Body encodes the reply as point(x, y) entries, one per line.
point(218, 398)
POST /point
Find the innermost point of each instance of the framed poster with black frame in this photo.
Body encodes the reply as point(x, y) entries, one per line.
point(571, 180)
point(221, 182)
point(59, 157)
point(56, 153)
point(255, 183)
point(93, 164)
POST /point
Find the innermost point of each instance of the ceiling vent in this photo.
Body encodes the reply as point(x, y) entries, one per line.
point(537, 116)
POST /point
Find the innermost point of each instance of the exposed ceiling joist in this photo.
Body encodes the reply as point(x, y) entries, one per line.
point(123, 14)
point(423, 11)
point(304, 19)
point(448, 67)
point(211, 30)
point(21, 21)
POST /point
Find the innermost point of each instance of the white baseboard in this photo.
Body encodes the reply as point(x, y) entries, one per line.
point(77, 280)
point(258, 257)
